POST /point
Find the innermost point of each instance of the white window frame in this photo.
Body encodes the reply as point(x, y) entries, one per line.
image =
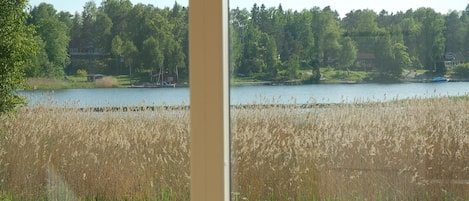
point(209, 100)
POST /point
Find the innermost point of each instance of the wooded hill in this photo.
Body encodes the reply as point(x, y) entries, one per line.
point(117, 37)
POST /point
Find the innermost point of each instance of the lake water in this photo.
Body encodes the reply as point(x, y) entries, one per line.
point(301, 94)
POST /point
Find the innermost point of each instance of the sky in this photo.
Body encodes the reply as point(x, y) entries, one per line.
point(342, 6)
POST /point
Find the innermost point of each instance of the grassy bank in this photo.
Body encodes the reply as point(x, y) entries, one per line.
point(75, 82)
point(405, 150)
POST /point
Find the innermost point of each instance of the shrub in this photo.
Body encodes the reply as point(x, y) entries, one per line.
point(82, 73)
point(462, 70)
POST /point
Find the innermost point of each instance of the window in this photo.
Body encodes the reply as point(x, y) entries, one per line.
point(331, 141)
point(316, 110)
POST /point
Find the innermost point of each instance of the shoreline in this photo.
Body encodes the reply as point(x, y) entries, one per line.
point(64, 85)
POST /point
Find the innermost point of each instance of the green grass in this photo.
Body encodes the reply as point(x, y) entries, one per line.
point(5, 198)
point(76, 82)
point(244, 79)
point(123, 80)
point(55, 84)
point(337, 76)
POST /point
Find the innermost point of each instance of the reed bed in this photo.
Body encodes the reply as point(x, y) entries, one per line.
point(75, 154)
point(404, 150)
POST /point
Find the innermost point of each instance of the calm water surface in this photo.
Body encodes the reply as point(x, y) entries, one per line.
point(301, 94)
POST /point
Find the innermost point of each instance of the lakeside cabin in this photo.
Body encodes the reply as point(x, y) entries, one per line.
point(94, 77)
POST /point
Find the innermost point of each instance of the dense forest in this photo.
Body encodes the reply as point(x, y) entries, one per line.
point(117, 37)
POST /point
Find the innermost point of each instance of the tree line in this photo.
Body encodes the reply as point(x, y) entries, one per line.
point(278, 43)
point(111, 39)
point(118, 37)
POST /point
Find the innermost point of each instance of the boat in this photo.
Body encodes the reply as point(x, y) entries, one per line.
point(162, 82)
point(440, 79)
point(167, 84)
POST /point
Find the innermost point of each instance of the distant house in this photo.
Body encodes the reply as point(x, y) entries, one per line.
point(453, 59)
point(94, 77)
point(366, 61)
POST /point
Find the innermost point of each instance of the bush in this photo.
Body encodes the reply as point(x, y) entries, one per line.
point(82, 73)
point(462, 70)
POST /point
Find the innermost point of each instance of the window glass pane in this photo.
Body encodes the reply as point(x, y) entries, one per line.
point(108, 104)
point(349, 100)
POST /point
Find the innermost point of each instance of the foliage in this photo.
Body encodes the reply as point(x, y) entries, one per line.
point(462, 70)
point(17, 46)
point(82, 73)
point(116, 37)
point(430, 40)
point(53, 35)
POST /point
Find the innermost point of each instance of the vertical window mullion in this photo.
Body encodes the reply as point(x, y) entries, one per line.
point(209, 99)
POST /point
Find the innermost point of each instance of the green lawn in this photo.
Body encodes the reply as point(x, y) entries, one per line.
point(74, 82)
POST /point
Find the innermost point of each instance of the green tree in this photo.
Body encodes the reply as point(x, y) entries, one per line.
point(88, 32)
point(117, 50)
point(327, 33)
point(293, 66)
point(431, 41)
point(17, 45)
point(152, 54)
point(75, 31)
point(177, 59)
point(412, 29)
point(402, 58)
point(67, 19)
point(384, 58)
point(129, 51)
point(298, 38)
point(362, 27)
point(239, 20)
point(235, 49)
point(462, 70)
point(391, 58)
point(278, 26)
point(454, 33)
point(117, 10)
point(270, 55)
point(39, 61)
point(144, 22)
point(55, 36)
point(347, 53)
point(103, 34)
point(465, 23)
point(252, 60)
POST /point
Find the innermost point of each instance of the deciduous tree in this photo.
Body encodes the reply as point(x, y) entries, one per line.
point(17, 45)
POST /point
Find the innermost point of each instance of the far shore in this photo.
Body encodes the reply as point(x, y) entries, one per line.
point(112, 82)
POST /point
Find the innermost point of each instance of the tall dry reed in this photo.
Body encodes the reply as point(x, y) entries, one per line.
point(406, 150)
point(113, 155)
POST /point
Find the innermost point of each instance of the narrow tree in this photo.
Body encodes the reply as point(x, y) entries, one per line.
point(117, 49)
point(153, 57)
